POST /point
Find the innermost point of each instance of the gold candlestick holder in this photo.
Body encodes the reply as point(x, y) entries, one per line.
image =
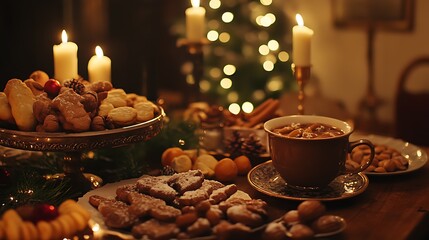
point(302, 75)
point(195, 50)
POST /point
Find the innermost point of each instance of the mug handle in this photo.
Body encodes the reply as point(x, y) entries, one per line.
point(359, 142)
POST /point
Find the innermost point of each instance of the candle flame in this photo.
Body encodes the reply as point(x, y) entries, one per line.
point(195, 3)
point(299, 19)
point(98, 51)
point(64, 36)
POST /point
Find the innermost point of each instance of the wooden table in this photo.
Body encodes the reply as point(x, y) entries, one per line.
point(392, 207)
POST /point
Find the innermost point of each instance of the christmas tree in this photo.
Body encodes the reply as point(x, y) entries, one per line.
point(247, 60)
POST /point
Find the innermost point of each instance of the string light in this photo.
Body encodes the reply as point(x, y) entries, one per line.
point(234, 108)
point(258, 95)
point(190, 79)
point(212, 35)
point(275, 84)
point(268, 66)
point(232, 96)
point(247, 107)
point(227, 17)
point(205, 85)
point(266, 20)
point(273, 45)
point(229, 69)
point(224, 37)
point(264, 49)
point(226, 83)
point(215, 72)
point(283, 56)
point(214, 4)
point(266, 2)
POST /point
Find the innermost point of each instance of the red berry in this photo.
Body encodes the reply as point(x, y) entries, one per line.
point(52, 87)
point(44, 212)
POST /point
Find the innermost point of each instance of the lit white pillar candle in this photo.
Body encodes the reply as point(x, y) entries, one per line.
point(99, 67)
point(65, 59)
point(195, 21)
point(301, 51)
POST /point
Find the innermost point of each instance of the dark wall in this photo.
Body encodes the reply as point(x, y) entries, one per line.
point(135, 34)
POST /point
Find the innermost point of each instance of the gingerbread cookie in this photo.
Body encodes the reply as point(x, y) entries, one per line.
point(186, 181)
point(116, 214)
point(73, 116)
point(154, 229)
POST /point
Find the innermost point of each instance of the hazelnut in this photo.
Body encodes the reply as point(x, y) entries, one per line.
point(310, 210)
point(97, 124)
point(327, 223)
point(275, 231)
point(291, 217)
point(301, 231)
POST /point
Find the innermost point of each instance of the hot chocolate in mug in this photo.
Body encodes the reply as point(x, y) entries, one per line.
point(310, 151)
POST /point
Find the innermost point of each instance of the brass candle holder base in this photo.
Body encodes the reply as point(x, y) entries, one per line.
point(302, 75)
point(195, 49)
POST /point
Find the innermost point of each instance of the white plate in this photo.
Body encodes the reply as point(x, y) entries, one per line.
point(109, 191)
point(416, 156)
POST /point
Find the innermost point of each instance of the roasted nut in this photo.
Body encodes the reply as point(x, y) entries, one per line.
point(386, 159)
point(291, 217)
point(275, 231)
point(301, 231)
point(327, 223)
point(310, 210)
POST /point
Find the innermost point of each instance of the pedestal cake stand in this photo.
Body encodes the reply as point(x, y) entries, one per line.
point(73, 144)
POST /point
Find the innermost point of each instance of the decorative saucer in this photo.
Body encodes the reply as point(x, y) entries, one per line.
point(265, 179)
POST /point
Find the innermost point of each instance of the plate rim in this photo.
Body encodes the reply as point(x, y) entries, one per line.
point(272, 194)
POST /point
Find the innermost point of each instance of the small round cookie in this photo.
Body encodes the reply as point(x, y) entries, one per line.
point(123, 116)
point(104, 109)
point(145, 111)
point(117, 97)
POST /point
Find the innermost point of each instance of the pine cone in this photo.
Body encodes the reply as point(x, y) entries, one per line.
point(252, 147)
point(167, 170)
point(234, 145)
point(75, 84)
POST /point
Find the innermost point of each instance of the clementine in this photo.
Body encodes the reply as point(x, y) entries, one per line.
point(226, 170)
point(169, 154)
point(243, 164)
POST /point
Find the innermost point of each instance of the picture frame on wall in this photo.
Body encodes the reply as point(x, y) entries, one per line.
point(393, 15)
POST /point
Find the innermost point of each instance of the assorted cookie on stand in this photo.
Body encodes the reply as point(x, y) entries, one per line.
point(44, 105)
